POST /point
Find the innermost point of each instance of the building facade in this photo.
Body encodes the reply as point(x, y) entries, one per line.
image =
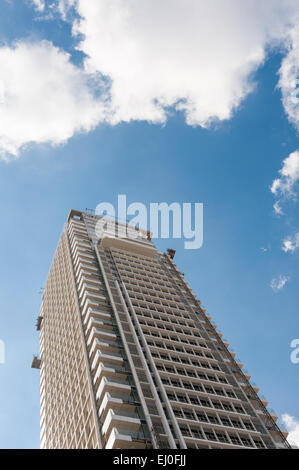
point(129, 358)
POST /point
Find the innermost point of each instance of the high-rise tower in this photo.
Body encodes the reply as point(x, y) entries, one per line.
point(129, 358)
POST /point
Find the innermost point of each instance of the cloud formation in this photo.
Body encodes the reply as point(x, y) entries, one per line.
point(289, 176)
point(39, 5)
point(284, 186)
point(292, 425)
point(289, 78)
point(195, 56)
point(192, 56)
point(291, 243)
point(43, 97)
point(277, 284)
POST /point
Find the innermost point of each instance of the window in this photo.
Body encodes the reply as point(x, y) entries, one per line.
point(188, 414)
point(187, 385)
point(175, 383)
point(171, 396)
point(259, 444)
point(182, 398)
point(185, 431)
point(221, 437)
point(178, 413)
point(204, 402)
point(227, 407)
point(247, 442)
point(210, 435)
point(194, 401)
point(234, 439)
point(197, 433)
point(225, 421)
point(236, 423)
point(217, 405)
point(213, 419)
point(197, 387)
point(239, 409)
point(248, 425)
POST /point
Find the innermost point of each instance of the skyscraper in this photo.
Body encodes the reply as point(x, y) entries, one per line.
point(129, 358)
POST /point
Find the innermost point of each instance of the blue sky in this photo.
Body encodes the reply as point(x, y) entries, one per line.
point(152, 154)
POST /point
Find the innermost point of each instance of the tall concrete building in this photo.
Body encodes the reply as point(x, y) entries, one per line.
point(128, 357)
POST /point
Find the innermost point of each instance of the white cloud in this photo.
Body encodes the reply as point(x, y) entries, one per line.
point(284, 186)
point(289, 79)
point(292, 425)
point(289, 176)
point(63, 7)
point(277, 284)
point(197, 56)
point(43, 97)
point(291, 243)
point(39, 5)
point(265, 249)
point(277, 209)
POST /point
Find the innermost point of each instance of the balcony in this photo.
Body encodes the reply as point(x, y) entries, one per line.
point(100, 333)
point(79, 256)
point(264, 401)
point(132, 245)
point(120, 421)
point(115, 404)
point(103, 346)
point(109, 372)
point(284, 432)
point(93, 296)
point(86, 275)
point(122, 440)
point(89, 281)
point(232, 352)
point(108, 403)
point(239, 363)
point(278, 438)
point(92, 287)
point(95, 317)
point(102, 357)
point(273, 415)
point(76, 244)
point(82, 255)
point(112, 387)
point(86, 268)
point(101, 304)
point(89, 304)
point(86, 264)
point(255, 387)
